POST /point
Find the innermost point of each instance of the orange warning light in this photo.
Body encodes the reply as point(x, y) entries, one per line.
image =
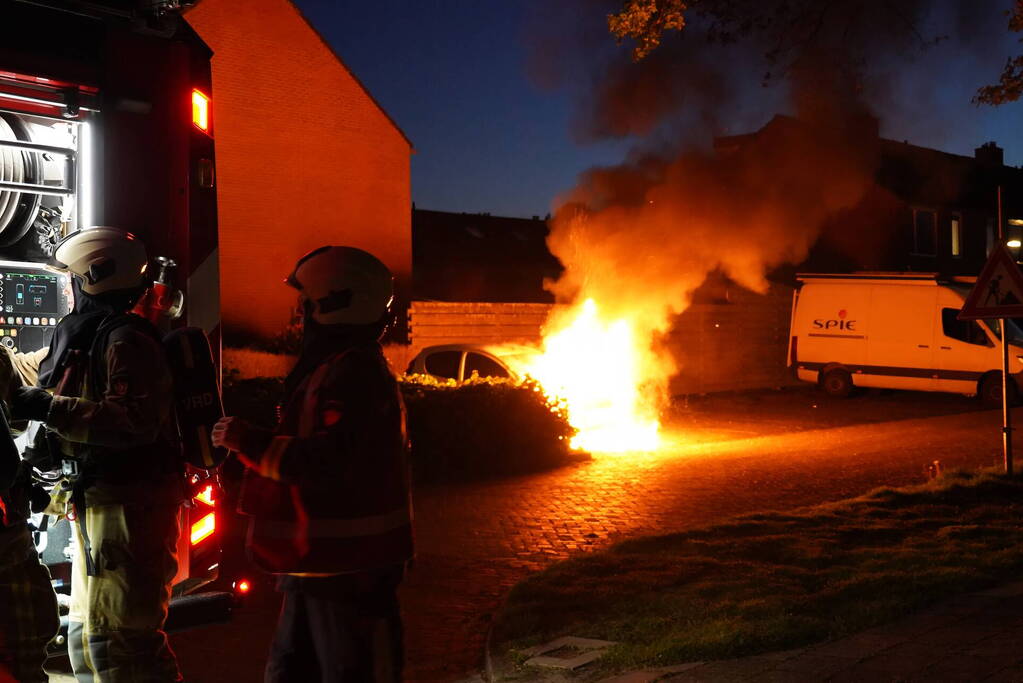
point(201, 111)
point(204, 528)
point(206, 495)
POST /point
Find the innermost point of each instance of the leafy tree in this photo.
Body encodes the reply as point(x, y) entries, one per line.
point(789, 28)
point(1010, 86)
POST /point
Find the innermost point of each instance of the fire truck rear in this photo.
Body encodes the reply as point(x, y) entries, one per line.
point(106, 119)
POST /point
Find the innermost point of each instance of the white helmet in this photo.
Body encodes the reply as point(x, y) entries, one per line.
point(105, 259)
point(344, 285)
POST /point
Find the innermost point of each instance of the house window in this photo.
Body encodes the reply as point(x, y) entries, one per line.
point(925, 232)
point(957, 234)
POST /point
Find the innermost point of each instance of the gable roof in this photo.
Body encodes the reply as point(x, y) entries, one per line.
point(351, 73)
point(341, 62)
point(917, 175)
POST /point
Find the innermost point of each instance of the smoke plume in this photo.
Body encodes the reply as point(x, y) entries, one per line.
point(640, 237)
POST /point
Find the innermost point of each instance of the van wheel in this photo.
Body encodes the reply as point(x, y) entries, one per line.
point(990, 393)
point(837, 383)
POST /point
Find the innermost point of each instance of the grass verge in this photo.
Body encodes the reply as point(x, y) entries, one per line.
point(779, 580)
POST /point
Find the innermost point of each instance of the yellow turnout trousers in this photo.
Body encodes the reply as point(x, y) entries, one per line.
point(115, 630)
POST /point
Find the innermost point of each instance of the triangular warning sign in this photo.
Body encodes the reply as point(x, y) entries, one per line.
point(999, 289)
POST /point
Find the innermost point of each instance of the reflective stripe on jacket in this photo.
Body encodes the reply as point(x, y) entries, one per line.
point(331, 491)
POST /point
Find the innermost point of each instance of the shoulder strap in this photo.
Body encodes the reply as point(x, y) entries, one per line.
point(110, 324)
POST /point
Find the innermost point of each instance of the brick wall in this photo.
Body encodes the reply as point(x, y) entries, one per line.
point(435, 323)
point(305, 157)
point(735, 343)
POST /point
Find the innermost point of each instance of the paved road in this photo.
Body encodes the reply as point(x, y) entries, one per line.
point(477, 540)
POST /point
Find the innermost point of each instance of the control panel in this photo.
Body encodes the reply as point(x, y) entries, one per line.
point(32, 302)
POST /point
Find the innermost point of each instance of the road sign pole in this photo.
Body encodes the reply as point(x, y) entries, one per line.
point(1006, 408)
point(998, 295)
point(1006, 412)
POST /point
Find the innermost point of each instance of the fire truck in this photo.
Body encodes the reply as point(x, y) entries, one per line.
point(106, 119)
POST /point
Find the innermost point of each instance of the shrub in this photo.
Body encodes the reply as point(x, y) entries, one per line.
point(480, 428)
point(483, 427)
point(288, 341)
point(254, 399)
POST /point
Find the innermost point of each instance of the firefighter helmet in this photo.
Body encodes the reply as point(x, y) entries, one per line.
point(343, 285)
point(104, 259)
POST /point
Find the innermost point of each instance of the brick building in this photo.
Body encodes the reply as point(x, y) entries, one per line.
point(927, 211)
point(305, 157)
point(479, 257)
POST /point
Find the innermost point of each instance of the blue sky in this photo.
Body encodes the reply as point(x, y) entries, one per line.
point(453, 74)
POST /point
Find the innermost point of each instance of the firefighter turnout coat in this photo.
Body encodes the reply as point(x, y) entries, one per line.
point(330, 493)
point(115, 414)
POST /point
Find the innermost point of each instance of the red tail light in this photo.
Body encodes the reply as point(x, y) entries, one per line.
point(792, 351)
point(204, 528)
point(243, 586)
point(206, 495)
point(201, 111)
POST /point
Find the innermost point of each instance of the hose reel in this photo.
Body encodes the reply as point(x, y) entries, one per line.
point(18, 210)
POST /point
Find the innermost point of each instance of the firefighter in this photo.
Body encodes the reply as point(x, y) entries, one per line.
point(328, 490)
point(105, 395)
point(28, 618)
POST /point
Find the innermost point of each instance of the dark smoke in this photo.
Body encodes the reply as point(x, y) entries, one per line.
point(640, 237)
point(731, 50)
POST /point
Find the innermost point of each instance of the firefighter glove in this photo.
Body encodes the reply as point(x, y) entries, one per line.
point(30, 403)
point(241, 436)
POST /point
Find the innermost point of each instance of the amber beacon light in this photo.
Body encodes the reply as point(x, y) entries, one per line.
point(201, 111)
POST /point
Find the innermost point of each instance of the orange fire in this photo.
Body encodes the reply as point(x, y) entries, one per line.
point(602, 371)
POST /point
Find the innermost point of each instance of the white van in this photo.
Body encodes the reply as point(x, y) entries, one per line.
point(896, 331)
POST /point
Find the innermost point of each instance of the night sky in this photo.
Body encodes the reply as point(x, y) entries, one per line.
point(455, 76)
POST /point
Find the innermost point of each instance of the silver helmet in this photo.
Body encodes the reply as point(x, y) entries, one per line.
point(104, 259)
point(343, 285)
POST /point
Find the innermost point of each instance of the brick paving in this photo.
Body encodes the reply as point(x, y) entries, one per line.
point(475, 541)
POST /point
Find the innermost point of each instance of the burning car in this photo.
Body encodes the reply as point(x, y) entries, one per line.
point(460, 361)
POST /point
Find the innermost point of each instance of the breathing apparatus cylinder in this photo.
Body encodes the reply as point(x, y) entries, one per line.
point(161, 301)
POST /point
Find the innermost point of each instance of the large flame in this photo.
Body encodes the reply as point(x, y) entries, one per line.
point(601, 369)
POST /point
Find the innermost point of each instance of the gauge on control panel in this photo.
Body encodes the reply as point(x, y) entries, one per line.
point(32, 301)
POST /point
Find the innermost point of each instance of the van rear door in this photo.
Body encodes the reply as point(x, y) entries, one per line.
point(900, 344)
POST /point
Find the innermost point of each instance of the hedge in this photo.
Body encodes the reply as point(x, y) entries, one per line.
point(477, 429)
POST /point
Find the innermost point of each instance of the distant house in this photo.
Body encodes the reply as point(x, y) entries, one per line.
point(305, 157)
point(929, 211)
point(479, 257)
